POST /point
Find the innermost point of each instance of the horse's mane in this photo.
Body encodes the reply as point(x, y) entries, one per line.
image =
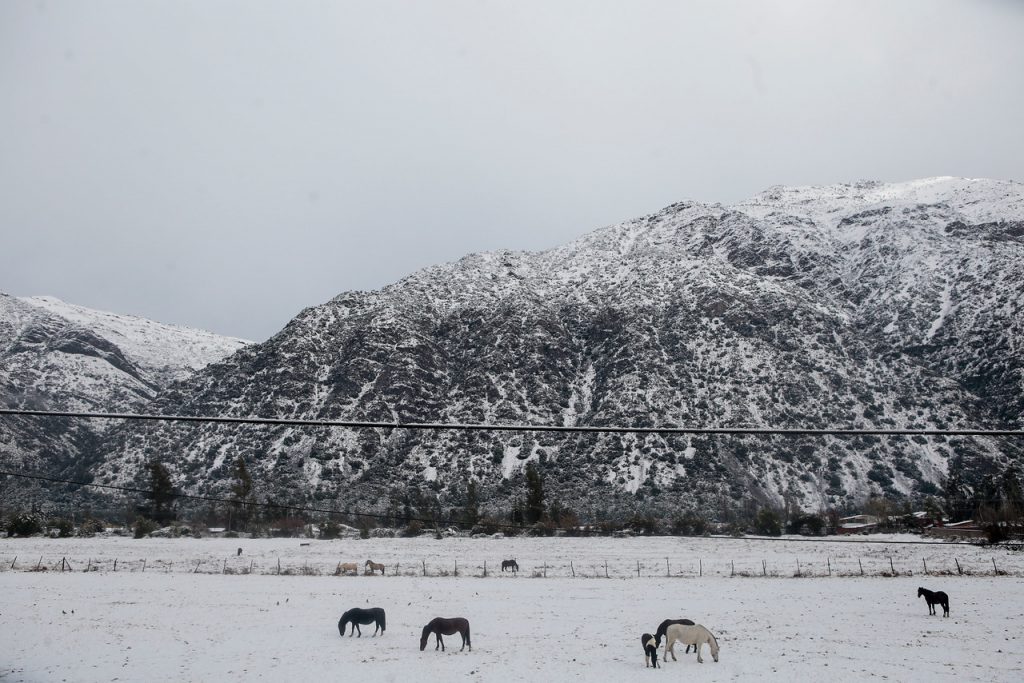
point(713, 639)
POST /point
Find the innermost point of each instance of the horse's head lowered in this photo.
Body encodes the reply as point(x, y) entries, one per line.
point(423, 638)
point(713, 644)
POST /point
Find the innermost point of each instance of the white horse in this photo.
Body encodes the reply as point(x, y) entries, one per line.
point(689, 635)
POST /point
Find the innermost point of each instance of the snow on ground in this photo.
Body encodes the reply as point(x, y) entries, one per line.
point(169, 624)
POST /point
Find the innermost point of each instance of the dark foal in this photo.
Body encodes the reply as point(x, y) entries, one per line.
point(439, 626)
point(650, 650)
point(933, 598)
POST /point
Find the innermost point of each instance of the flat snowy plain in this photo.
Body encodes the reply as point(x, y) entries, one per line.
point(174, 622)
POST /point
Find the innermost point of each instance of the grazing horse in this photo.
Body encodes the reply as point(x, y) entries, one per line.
point(372, 566)
point(510, 564)
point(439, 626)
point(348, 567)
point(691, 635)
point(357, 616)
point(650, 650)
point(933, 598)
point(660, 633)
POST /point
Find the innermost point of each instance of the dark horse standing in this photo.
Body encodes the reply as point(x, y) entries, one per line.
point(356, 616)
point(439, 627)
point(933, 598)
point(510, 564)
point(660, 633)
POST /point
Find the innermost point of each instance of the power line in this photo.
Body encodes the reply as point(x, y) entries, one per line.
point(436, 522)
point(478, 427)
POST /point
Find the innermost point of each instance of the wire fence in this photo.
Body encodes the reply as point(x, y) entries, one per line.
point(664, 568)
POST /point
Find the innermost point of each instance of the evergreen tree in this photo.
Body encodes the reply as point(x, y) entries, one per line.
point(161, 492)
point(472, 512)
point(534, 494)
point(241, 490)
point(958, 503)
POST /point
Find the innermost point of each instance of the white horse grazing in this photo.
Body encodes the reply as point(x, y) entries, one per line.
point(689, 635)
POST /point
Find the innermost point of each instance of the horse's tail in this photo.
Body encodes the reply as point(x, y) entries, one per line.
point(468, 641)
point(383, 622)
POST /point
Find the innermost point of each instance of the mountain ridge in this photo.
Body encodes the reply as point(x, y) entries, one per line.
point(867, 304)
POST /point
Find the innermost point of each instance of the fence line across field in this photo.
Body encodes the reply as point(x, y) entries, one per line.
point(666, 567)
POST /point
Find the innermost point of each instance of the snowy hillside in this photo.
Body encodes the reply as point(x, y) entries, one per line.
point(58, 356)
point(164, 352)
point(870, 304)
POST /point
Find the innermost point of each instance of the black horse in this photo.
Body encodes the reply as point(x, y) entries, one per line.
point(933, 598)
point(357, 615)
point(439, 626)
point(660, 633)
point(510, 564)
point(650, 650)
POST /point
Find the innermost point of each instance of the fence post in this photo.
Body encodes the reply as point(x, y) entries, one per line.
point(13, 561)
point(638, 569)
point(764, 567)
point(798, 573)
point(861, 564)
point(225, 570)
point(39, 562)
point(197, 566)
point(572, 569)
point(958, 569)
point(994, 567)
point(925, 563)
point(732, 570)
point(829, 560)
point(485, 569)
point(892, 567)
point(63, 561)
point(89, 566)
point(250, 565)
point(279, 566)
point(456, 567)
point(144, 565)
point(700, 567)
point(668, 572)
point(424, 567)
point(115, 564)
point(545, 569)
point(606, 569)
point(397, 565)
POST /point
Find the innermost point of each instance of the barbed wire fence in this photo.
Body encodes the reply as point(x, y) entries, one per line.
point(617, 568)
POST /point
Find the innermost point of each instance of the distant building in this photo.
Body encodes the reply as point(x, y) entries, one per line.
point(966, 529)
point(857, 524)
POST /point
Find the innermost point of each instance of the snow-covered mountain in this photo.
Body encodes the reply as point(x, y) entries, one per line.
point(867, 304)
point(58, 356)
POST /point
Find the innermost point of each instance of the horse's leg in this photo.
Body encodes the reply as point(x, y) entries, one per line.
point(670, 649)
point(360, 630)
point(700, 660)
point(439, 642)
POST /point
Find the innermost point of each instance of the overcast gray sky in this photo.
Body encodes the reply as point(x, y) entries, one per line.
point(224, 165)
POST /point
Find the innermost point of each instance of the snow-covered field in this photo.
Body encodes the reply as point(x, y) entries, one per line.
point(168, 623)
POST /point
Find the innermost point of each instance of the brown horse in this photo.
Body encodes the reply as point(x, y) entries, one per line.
point(439, 626)
point(372, 566)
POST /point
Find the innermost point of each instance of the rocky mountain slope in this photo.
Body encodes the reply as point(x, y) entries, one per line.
point(869, 304)
point(58, 356)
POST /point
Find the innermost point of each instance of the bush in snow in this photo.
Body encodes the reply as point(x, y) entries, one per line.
point(143, 527)
point(24, 524)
